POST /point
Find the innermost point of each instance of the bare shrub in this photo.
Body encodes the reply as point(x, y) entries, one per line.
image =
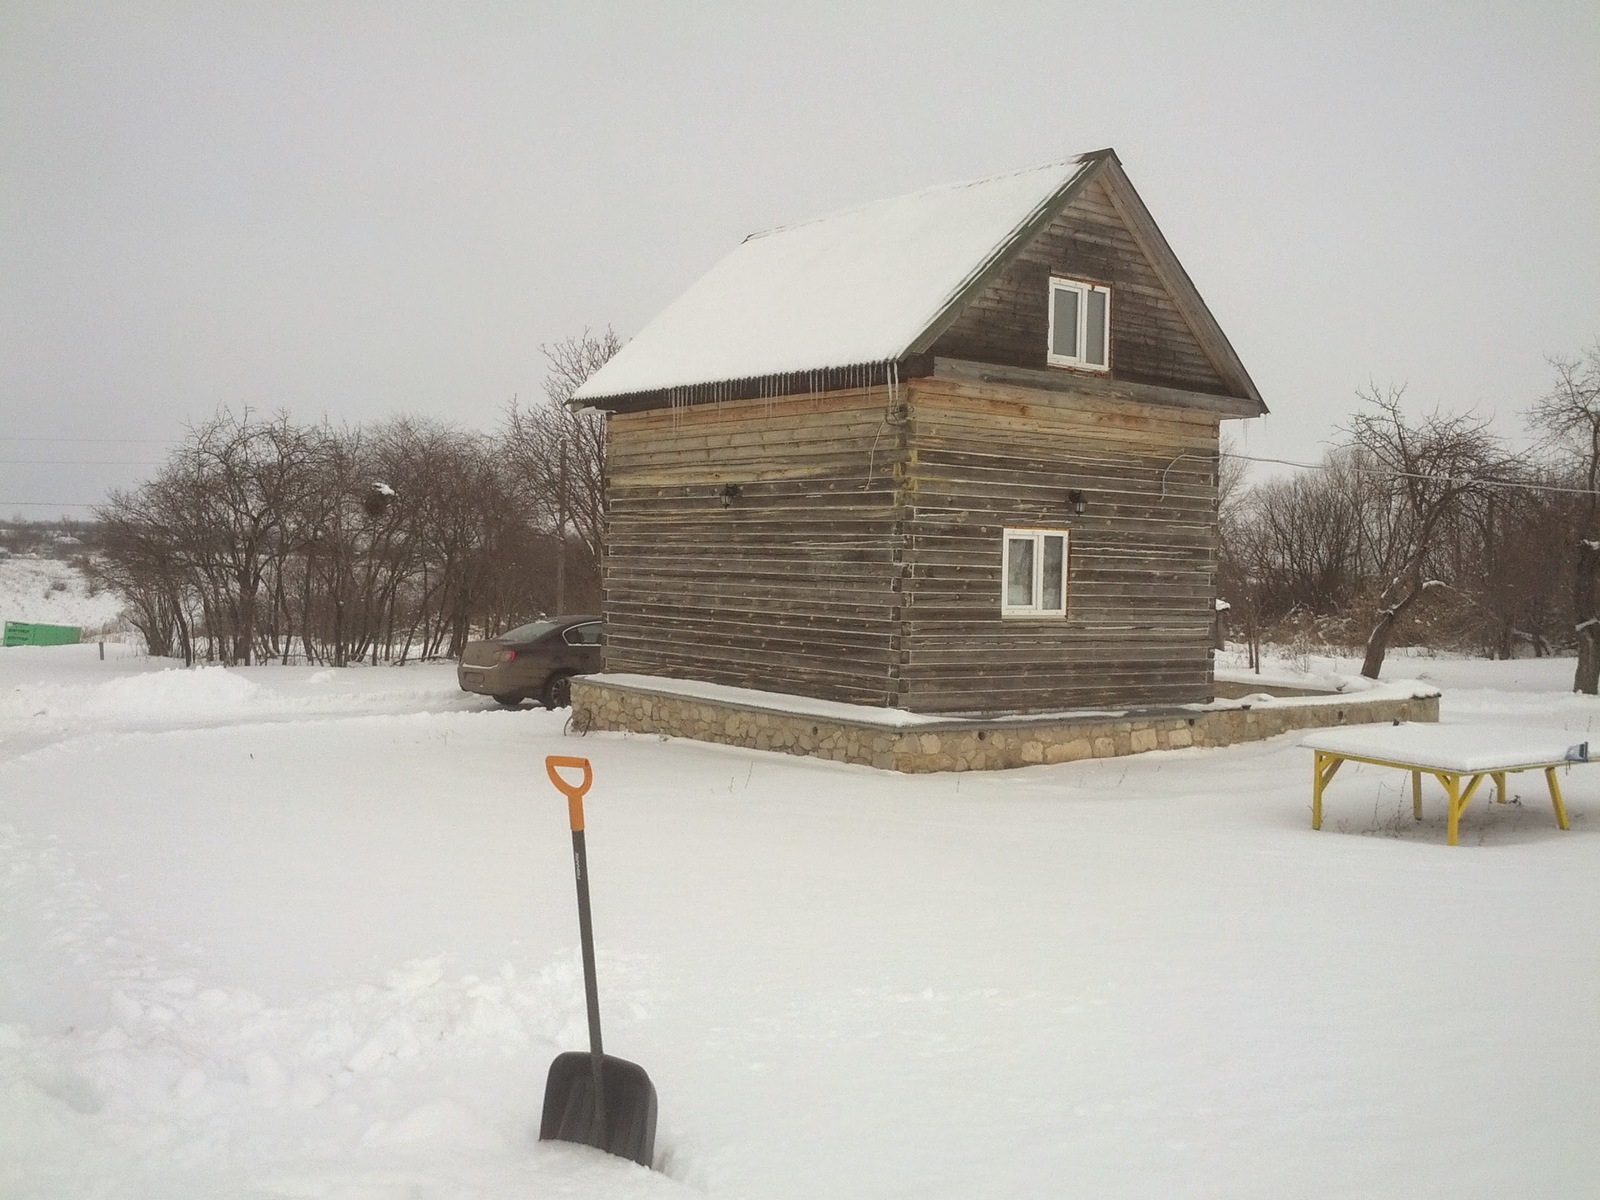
point(559, 455)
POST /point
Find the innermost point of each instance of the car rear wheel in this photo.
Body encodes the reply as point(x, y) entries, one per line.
point(558, 690)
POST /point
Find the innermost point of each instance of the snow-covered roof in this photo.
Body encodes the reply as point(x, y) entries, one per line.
point(854, 288)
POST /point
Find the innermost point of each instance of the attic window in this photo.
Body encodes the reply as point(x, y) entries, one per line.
point(1080, 324)
point(1034, 573)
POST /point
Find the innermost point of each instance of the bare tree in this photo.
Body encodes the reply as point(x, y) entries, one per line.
point(1432, 507)
point(136, 561)
point(1509, 554)
point(1569, 413)
point(259, 536)
point(461, 542)
point(1425, 469)
point(560, 455)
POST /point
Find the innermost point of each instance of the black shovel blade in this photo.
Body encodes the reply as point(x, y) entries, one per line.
point(628, 1127)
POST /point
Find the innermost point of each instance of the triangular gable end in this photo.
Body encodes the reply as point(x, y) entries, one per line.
point(1163, 334)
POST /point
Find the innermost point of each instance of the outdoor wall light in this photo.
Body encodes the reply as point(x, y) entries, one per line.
point(1077, 500)
point(730, 492)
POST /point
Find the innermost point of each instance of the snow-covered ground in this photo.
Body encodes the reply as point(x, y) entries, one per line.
point(293, 932)
point(52, 592)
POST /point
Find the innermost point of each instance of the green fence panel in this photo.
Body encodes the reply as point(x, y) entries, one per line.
point(23, 633)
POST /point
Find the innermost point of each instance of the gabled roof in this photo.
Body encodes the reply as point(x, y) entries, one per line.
point(870, 285)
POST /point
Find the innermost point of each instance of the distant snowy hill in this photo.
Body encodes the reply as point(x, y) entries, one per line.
point(52, 592)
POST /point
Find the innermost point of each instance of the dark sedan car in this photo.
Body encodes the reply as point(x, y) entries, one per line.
point(534, 661)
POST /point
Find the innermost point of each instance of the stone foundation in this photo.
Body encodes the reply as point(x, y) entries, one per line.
point(969, 744)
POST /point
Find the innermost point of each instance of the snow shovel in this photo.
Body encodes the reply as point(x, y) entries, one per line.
point(594, 1099)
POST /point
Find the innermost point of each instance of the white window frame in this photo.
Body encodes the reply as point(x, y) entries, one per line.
point(1083, 291)
point(1037, 537)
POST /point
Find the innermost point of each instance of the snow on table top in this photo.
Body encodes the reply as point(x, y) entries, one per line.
point(1463, 748)
point(856, 287)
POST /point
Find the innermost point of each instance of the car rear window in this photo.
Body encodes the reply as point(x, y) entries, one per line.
point(527, 633)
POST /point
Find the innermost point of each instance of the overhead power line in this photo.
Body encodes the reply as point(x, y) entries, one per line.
point(1389, 473)
point(114, 440)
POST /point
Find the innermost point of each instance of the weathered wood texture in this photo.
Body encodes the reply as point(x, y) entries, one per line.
point(792, 586)
point(861, 557)
point(1151, 342)
point(1141, 558)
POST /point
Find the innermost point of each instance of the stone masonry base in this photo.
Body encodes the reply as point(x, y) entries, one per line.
point(964, 744)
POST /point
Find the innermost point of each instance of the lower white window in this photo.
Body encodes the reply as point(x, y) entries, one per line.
point(1034, 573)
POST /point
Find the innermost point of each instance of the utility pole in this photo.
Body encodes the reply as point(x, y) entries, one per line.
point(561, 533)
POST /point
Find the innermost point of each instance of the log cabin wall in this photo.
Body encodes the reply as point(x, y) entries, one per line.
point(1151, 342)
point(793, 584)
point(1141, 558)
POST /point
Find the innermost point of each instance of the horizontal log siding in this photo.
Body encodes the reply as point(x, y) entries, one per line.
point(1151, 342)
point(790, 588)
point(1141, 557)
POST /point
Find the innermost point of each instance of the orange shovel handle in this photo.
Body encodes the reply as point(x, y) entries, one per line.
point(553, 766)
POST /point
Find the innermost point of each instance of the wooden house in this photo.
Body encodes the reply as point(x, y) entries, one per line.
point(954, 452)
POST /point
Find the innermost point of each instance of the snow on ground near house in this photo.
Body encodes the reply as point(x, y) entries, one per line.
point(289, 932)
point(47, 591)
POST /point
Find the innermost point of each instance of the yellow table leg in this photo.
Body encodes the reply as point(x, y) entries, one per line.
point(1459, 799)
point(1416, 794)
point(1316, 789)
point(1499, 787)
point(1555, 797)
point(1452, 787)
point(1325, 766)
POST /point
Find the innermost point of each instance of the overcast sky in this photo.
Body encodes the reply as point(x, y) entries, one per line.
point(361, 210)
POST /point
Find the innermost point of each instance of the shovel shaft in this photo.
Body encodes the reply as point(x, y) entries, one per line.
point(591, 987)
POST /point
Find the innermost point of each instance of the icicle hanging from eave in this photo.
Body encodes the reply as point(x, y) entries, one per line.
point(811, 384)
